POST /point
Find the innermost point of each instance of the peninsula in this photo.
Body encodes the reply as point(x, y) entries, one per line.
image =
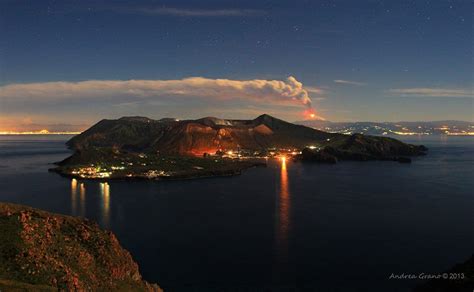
point(143, 148)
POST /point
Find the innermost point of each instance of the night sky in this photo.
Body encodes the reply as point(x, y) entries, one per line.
point(76, 62)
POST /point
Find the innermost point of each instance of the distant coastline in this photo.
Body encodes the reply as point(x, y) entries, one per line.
point(42, 132)
point(420, 128)
point(393, 129)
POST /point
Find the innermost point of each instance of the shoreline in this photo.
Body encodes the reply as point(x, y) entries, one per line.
point(177, 177)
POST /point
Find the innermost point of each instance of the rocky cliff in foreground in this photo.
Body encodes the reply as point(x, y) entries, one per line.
point(42, 251)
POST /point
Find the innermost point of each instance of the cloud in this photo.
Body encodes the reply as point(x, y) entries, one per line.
point(190, 12)
point(313, 89)
point(433, 92)
point(348, 82)
point(290, 91)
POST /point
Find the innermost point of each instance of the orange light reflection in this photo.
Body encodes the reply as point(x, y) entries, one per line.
point(73, 196)
point(283, 217)
point(82, 198)
point(105, 194)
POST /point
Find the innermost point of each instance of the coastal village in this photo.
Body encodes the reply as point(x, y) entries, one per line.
point(152, 166)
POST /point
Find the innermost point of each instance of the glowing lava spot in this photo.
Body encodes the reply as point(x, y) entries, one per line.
point(310, 114)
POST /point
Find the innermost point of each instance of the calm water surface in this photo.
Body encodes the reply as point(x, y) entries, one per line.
point(290, 225)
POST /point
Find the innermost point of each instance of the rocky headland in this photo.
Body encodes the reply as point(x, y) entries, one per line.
point(360, 147)
point(42, 251)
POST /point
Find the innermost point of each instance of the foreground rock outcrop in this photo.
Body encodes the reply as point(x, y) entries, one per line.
point(41, 251)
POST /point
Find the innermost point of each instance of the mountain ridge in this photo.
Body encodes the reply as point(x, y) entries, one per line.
point(198, 136)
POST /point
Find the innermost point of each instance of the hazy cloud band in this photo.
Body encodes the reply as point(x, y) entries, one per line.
point(348, 82)
point(433, 92)
point(199, 12)
point(290, 91)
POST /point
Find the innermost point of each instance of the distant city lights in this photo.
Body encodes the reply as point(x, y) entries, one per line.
point(40, 132)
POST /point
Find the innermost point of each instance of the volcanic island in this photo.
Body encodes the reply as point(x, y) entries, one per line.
point(143, 148)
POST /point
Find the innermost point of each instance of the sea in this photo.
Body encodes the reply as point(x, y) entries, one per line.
point(291, 226)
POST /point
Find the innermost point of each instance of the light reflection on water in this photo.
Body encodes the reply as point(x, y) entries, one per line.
point(283, 218)
point(82, 198)
point(105, 196)
point(104, 202)
point(74, 196)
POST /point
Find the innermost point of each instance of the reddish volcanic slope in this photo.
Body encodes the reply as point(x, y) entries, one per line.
point(196, 137)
